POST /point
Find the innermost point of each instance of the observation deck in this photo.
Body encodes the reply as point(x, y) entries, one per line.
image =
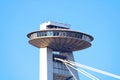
point(59, 38)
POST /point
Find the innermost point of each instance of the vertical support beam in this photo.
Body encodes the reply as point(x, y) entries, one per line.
point(70, 57)
point(46, 64)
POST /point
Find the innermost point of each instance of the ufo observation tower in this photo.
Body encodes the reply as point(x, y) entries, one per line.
point(57, 40)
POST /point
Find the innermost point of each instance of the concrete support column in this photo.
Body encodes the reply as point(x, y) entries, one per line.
point(46, 64)
point(70, 57)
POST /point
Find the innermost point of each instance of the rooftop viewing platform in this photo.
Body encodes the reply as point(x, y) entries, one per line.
point(54, 25)
point(59, 37)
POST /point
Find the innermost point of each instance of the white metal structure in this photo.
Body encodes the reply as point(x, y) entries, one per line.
point(57, 37)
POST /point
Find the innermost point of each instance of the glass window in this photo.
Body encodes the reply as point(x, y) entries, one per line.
point(35, 35)
point(76, 35)
point(80, 36)
point(44, 33)
point(83, 37)
point(38, 34)
point(60, 34)
point(73, 34)
point(69, 34)
point(88, 39)
point(31, 36)
point(56, 33)
point(64, 33)
point(49, 33)
point(41, 33)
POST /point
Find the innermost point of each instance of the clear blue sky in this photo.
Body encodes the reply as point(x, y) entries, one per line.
point(100, 18)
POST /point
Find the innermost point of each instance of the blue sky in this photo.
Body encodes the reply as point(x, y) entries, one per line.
point(100, 18)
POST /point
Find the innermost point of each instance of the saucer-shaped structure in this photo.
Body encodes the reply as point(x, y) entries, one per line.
point(60, 39)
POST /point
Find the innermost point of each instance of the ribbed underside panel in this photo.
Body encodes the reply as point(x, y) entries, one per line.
point(60, 43)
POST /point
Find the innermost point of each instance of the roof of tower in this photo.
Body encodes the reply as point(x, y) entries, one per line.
point(53, 25)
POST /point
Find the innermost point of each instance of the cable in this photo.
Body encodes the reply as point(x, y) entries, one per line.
point(80, 70)
point(93, 69)
point(83, 72)
point(70, 71)
point(90, 68)
point(88, 74)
